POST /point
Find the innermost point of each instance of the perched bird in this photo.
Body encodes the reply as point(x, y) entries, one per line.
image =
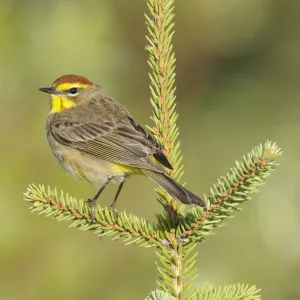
point(94, 138)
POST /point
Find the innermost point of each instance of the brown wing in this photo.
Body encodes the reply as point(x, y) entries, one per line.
point(116, 138)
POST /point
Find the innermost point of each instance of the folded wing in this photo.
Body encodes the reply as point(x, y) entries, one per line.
point(123, 142)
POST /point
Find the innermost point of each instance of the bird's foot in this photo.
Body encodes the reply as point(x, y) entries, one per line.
point(112, 207)
point(92, 204)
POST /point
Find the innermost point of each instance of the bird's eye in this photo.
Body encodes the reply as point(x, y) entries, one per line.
point(73, 91)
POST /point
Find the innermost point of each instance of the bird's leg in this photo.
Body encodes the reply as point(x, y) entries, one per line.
point(92, 202)
point(112, 205)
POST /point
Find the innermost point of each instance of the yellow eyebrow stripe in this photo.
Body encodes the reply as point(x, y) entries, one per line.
point(66, 86)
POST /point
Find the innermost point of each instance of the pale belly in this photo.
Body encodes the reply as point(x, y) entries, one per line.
point(86, 167)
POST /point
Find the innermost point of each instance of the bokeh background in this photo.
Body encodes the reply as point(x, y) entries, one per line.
point(238, 68)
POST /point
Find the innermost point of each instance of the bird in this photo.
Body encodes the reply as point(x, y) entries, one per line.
point(95, 139)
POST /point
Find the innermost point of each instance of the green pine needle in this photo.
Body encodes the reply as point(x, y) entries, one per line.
point(61, 207)
point(159, 295)
point(229, 192)
point(232, 292)
point(161, 61)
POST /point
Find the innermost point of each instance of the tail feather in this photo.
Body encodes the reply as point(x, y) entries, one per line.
point(174, 189)
point(161, 157)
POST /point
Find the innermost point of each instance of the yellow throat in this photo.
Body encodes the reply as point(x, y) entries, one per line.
point(60, 103)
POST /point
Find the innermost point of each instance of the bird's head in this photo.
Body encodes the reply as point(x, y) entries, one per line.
point(69, 91)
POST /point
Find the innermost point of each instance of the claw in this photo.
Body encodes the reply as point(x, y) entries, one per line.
point(92, 204)
point(114, 210)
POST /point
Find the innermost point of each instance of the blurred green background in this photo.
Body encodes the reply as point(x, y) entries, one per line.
point(238, 70)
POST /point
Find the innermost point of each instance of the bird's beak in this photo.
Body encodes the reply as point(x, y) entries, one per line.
point(49, 90)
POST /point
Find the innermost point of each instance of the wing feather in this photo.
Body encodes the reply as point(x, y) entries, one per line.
point(90, 139)
point(117, 139)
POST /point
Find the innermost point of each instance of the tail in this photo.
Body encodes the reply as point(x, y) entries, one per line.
point(174, 189)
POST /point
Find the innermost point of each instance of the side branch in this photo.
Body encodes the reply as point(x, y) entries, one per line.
point(238, 291)
point(129, 228)
point(230, 191)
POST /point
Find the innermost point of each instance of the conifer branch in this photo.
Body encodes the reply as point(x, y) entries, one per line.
point(162, 78)
point(229, 192)
point(61, 207)
point(159, 295)
point(232, 292)
point(170, 267)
